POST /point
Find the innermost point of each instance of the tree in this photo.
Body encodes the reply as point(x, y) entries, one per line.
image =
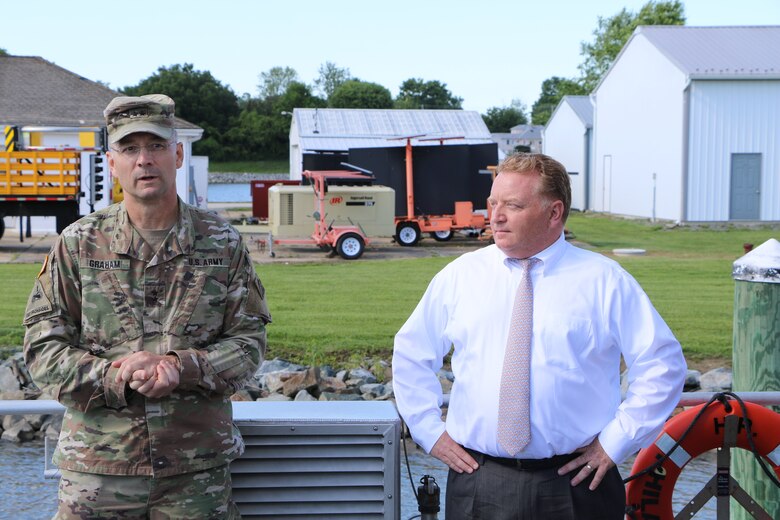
point(275, 81)
point(360, 94)
point(331, 77)
point(613, 32)
point(262, 131)
point(502, 119)
point(258, 136)
point(200, 98)
point(553, 90)
point(297, 95)
point(416, 93)
point(3, 52)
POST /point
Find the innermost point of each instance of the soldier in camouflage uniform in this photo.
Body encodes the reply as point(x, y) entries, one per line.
point(144, 319)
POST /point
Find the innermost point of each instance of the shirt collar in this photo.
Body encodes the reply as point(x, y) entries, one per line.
point(122, 242)
point(549, 256)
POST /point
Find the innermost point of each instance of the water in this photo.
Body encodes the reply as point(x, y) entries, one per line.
point(26, 495)
point(239, 192)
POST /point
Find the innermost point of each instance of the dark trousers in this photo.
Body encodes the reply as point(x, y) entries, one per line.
point(500, 492)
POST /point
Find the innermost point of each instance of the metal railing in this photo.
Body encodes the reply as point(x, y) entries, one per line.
point(51, 407)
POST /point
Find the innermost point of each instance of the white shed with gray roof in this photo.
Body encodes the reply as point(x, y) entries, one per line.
point(329, 130)
point(687, 125)
point(568, 137)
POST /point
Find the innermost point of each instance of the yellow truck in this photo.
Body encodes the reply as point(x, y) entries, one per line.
point(51, 183)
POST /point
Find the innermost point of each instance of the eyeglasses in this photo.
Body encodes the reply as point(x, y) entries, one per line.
point(131, 151)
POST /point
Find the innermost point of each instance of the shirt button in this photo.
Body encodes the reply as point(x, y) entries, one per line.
point(161, 462)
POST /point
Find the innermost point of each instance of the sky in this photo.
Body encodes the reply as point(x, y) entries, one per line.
point(488, 52)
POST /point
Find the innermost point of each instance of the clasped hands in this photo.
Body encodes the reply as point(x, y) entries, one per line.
point(149, 374)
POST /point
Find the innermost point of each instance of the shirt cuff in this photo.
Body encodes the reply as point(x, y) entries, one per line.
point(428, 431)
point(612, 439)
point(189, 368)
point(114, 392)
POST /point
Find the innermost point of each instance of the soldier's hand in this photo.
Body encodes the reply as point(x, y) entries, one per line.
point(137, 361)
point(139, 377)
point(163, 381)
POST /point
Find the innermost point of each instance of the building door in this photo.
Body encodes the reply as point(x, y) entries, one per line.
point(745, 203)
point(606, 186)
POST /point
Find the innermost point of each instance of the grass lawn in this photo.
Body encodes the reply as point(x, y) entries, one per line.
point(341, 313)
point(17, 282)
point(268, 166)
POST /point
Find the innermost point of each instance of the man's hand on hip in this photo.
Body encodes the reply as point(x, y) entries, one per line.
point(592, 459)
point(453, 455)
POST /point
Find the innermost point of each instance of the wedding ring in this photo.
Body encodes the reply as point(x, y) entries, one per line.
point(589, 467)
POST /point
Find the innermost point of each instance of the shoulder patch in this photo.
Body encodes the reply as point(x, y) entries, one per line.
point(39, 302)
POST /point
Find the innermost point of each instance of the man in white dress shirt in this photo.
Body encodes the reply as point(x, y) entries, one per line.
point(587, 313)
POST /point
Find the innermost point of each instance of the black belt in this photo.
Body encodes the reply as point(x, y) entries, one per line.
point(555, 461)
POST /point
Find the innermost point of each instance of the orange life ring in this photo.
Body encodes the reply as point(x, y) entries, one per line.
point(650, 496)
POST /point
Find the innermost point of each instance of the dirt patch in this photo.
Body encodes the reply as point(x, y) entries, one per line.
point(704, 365)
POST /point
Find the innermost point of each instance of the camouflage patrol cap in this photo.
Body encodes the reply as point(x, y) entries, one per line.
point(152, 113)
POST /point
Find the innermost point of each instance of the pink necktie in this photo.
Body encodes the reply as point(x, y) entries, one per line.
point(514, 422)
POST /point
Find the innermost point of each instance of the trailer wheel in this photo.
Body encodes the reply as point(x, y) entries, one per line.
point(407, 233)
point(2, 226)
point(350, 246)
point(442, 236)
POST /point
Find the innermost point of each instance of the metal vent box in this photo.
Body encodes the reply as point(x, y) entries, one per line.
point(318, 460)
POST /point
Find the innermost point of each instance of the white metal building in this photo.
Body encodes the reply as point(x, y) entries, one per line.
point(327, 130)
point(568, 137)
point(520, 135)
point(687, 125)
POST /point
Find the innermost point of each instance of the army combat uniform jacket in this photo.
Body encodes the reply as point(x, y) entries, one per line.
point(103, 294)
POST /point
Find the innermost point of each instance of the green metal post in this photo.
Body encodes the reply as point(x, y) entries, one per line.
point(756, 357)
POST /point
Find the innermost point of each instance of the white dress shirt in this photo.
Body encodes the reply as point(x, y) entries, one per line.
point(587, 312)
